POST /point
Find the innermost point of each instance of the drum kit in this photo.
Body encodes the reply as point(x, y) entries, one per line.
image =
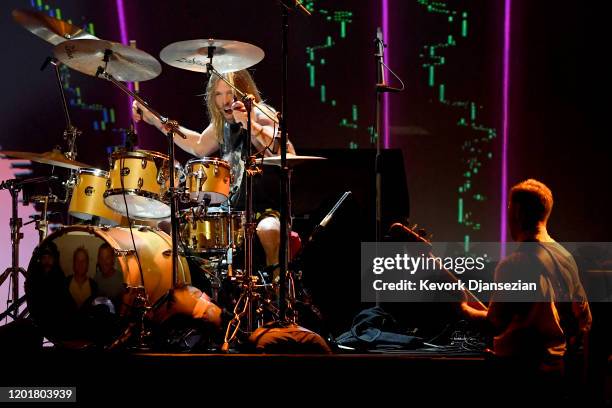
point(121, 207)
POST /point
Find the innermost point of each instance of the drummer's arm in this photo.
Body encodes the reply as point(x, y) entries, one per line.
point(263, 128)
point(199, 144)
point(262, 132)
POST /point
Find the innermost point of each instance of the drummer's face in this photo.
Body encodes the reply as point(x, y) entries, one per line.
point(224, 98)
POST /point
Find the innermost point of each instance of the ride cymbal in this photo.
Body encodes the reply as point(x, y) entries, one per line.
point(228, 55)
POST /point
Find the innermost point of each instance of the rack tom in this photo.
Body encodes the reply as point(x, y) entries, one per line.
point(208, 180)
point(140, 178)
point(87, 200)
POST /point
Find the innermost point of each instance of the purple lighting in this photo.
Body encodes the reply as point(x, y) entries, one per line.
point(124, 37)
point(122, 27)
point(506, 87)
point(385, 30)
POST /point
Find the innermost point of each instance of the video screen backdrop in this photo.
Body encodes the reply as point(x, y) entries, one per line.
point(448, 122)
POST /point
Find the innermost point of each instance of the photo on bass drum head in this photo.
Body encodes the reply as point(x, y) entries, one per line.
point(77, 289)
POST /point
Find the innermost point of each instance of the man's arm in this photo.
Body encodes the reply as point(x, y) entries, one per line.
point(197, 144)
point(263, 129)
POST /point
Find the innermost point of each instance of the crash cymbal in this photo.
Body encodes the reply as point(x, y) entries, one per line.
point(48, 28)
point(125, 63)
point(292, 160)
point(53, 158)
point(228, 56)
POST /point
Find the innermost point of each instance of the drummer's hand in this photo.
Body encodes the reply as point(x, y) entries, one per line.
point(239, 112)
point(140, 112)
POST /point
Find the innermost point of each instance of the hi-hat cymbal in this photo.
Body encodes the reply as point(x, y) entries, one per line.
point(54, 158)
point(125, 63)
point(48, 28)
point(292, 160)
point(228, 55)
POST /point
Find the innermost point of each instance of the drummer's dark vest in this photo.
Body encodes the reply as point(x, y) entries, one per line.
point(234, 150)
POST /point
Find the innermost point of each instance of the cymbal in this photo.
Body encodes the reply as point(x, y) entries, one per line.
point(228, 55)
point(48, 28)
point(292, 160)
point(125, 64)
point(54, 158)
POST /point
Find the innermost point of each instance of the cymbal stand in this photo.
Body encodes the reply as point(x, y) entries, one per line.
point(245, 304)
point(71, 132)
point(173, 128)
point(14, 302)
point(41, 221)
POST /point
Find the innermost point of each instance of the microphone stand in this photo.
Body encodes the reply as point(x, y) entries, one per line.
point(381, 88)
point(283, 250)
point(380, 79)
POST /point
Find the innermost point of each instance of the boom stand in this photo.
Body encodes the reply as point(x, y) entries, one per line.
point(14, 302)
point(173, 128)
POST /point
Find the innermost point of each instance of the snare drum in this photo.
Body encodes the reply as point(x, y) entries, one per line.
point(213, 231)
point(208, 178)
point(142, 176)
point(87, 197)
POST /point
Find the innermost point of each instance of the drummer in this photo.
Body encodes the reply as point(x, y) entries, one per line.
point(226, 134)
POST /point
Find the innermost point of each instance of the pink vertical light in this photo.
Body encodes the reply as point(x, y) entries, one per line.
point(124, 38)
point(386, 107)
point(505, 127)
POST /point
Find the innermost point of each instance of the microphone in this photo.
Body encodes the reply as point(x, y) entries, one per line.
point(381, 85)
point(380, 46)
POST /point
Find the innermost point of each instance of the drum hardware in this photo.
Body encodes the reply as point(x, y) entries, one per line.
point(244, 307)
point(187, 55)
point(115, 62)
point(42, 224)
point(136, 332)
point(14, 302)
point(125, 252)
point(178, 55)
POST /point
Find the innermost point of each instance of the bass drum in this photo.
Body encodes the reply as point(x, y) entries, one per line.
point(81, 278)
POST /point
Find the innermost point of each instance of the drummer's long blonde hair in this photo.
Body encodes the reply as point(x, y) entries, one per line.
point(241, 80)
